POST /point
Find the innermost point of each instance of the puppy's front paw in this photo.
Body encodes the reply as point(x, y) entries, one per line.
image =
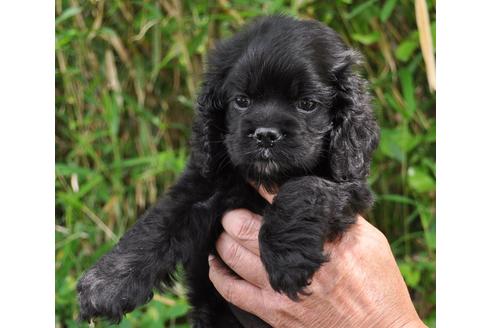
point(110, 296)
point(306, 212)
point(290, 259)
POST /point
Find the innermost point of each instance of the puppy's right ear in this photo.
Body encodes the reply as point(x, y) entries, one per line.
point(208, 149)
point(209, 126)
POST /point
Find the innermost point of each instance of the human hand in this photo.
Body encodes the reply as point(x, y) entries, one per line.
point(360, 285)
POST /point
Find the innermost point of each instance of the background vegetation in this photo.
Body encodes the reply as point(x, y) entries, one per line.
point(127, 73)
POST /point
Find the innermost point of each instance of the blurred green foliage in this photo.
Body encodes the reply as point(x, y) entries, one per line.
point(127, 73)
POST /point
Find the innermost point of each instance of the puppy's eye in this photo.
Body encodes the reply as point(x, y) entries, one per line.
point(242, 102)
point(306, 105)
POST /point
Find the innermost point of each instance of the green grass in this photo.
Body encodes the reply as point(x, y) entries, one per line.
point(127, 73)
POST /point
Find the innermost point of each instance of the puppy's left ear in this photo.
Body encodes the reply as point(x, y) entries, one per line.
point(354, 133)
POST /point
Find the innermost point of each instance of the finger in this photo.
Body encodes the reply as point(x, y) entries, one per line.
point(246, 264)
point(243, 226)
point(237, 291)
point(265, 194)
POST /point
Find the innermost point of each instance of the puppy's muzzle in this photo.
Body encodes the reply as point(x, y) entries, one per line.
point(266, 137)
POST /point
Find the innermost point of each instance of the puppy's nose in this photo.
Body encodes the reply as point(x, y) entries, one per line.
point(266, 137)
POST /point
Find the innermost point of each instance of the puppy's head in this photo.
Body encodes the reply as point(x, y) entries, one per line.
point(280, 99)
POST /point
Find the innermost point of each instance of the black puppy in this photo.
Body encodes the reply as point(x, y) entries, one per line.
point(280, 106)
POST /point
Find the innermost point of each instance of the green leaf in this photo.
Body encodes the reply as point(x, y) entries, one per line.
point(388, 7)
point(360, 8)
point(177, 310)
point(410, 273)
point(63, 39)
point(406, 49)
point(408, 89)
point(396, 198)
point(430, 321)
point(366, 39)
point(125, 323)
point(419, 180)
point(396, 143)
point(70, 12)
point(62, 169)
point(430, 236)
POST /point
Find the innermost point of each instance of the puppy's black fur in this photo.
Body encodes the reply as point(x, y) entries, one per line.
point(280, 106)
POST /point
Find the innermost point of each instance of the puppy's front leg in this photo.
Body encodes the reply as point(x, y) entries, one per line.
point(306, 212)
point(148, 253)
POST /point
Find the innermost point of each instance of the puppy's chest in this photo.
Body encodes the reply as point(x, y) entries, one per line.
point(223, 200)
point(241, 197)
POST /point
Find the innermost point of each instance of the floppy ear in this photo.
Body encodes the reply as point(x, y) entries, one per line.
point(208, 151)
point(354, 133)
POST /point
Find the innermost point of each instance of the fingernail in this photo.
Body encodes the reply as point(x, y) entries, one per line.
point(211, 257)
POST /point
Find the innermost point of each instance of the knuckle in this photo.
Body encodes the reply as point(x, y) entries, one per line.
point(381, 237)
point(376, 242)
point(229, 292)
point(378, 239)
point(232, 254)
point(246, 229)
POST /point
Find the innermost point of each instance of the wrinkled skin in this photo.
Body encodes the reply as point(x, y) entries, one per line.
point(361, 286)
